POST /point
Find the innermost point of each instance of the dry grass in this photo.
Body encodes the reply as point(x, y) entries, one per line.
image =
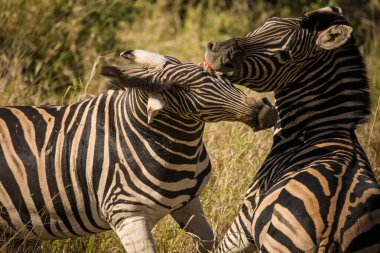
point(235, 150)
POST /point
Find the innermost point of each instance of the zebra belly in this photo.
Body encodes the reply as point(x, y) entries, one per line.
point(128, 198)
point(43, 225)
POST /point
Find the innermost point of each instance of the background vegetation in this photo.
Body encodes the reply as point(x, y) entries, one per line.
point(50, 51)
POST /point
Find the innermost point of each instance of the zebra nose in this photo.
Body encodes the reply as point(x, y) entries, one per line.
point(264, 114)
point(268, 115)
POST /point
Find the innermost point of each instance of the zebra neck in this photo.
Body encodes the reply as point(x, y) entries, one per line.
point(167, 130)
point(332, 97)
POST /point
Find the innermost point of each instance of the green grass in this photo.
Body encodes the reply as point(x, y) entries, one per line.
point(54, 59)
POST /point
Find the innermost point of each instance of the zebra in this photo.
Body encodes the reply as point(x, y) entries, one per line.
point(316, 191)
point(121, 160)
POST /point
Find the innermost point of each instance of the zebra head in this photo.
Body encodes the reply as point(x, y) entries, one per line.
point(277, 53)
point(187, 90)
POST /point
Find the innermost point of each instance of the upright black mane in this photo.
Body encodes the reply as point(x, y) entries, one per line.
point(317, 20)
point(321, 20)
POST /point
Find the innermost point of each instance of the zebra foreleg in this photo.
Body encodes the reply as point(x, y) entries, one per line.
point(135, 235)
point(191, 218)
point(236, 240)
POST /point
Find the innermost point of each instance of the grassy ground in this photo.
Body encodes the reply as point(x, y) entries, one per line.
point(52, 58)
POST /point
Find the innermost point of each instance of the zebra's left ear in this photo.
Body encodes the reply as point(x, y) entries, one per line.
point(155, 104)
point(334, 36)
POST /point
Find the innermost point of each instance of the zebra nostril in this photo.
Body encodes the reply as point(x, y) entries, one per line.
point(268, 115)
point(266, 101)
point(229, 65)
point(128, 54)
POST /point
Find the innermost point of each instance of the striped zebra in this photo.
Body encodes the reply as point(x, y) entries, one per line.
point(104, 163)
point(316, 191)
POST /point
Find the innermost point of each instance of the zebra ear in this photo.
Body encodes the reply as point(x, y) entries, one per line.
point(334, 36)
point(155, 104)
point(130, 76)
point(149, 59)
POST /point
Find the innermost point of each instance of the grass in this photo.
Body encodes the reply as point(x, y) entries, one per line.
point(54, 59)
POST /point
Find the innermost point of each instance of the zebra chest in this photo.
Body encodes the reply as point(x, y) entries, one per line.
point(312, 203)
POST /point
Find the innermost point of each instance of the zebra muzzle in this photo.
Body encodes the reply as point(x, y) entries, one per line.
point(268, 115)
point(264, 114)
point(223, 57)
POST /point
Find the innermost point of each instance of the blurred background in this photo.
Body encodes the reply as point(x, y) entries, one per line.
point(51, 50)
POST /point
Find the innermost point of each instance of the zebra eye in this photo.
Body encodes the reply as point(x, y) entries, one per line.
point(286, 55)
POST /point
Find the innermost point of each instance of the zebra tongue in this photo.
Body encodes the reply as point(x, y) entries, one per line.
point(155, 104)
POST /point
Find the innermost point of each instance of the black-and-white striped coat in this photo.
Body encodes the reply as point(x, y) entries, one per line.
point(73, 170)
point(316, 191)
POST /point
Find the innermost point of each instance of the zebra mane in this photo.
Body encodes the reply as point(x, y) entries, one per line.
point(322, 19)
point(130, 76)
point(360, 87)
